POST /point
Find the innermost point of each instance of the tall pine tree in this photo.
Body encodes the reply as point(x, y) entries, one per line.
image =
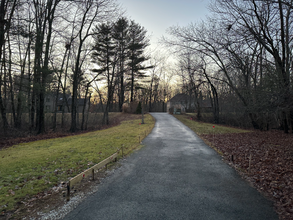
point(137, 44)
point(120, 34)
point(104, 55)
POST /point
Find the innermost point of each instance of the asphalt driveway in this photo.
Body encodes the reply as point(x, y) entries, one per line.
point(174, 176)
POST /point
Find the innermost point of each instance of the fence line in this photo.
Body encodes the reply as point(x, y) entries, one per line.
point(73, 181)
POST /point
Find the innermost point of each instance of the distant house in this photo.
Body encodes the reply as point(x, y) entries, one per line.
point(62, 103)
point(182, 103)
point(50, 101)
point(178, 104)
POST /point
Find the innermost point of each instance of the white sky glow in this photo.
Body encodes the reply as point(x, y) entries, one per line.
point(158, 15)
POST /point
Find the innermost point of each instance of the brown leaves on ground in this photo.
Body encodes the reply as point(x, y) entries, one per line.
point(266, 160)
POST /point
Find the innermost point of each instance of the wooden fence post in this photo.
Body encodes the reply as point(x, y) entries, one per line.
point(68, 191)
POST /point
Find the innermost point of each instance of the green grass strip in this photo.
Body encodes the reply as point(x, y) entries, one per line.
point(207, 128)
point(30, 168)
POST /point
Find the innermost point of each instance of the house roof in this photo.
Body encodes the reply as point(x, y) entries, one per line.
point(181, 97)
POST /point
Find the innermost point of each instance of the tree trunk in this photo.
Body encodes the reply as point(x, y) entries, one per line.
point(73, 102)
point(64, 100)
point(84, 107)
point(11, 82)
point(56, 105)
point(132, 85)
point(253, 121)
point(2, 41)
point(45, 70)
point(216, 110)
point(58, 88)
point(121, 96)
point(3, 114)
point(41, 124)
point(88, 112)
point(198, 111)
point(37, 85)
point(29, 100)
point(74, 90)
point(20, 93)
point(33, 105)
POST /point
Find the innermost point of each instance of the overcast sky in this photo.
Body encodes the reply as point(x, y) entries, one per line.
point(158, 15)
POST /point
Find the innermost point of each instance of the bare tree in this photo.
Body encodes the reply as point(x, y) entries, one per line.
point(44, 17)
point(158, 63)
point(270, 24)
point(7, 9)
point(24, 38)
point(236, 55)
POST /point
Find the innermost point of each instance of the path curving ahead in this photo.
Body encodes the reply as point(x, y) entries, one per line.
point(175, 176)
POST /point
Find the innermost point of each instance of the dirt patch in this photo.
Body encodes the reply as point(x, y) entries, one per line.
point(265, 159)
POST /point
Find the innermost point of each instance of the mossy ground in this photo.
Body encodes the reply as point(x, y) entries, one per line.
point(30, 168)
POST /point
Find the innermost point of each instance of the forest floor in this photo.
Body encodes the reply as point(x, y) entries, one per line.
point(264, 159)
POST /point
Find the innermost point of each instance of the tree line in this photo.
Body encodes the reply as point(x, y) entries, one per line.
point(66, 46)
point(242, 56)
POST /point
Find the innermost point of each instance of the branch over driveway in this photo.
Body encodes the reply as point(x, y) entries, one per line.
point(175, 176)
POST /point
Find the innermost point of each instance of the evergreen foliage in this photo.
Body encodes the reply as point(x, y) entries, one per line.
point(137, 43)
point(120, 35)
point(119, 51)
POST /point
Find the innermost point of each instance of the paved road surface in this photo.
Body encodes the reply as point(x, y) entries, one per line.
point(175, 176)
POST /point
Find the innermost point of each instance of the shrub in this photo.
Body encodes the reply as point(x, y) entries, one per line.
point(138, 108)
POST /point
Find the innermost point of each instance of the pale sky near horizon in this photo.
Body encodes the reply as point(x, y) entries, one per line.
point(156, 16)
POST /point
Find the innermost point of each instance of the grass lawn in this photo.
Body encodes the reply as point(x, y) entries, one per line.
point(207, 128)
point(30, 168)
